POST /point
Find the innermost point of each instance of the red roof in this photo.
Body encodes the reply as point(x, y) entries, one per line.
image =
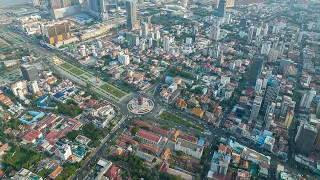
point(31, 135)
point(141, 124)
point(161, 131)
point(148, 135)
point(126, 139)
point(153, 149)
point(112, 171)
point(75, 123)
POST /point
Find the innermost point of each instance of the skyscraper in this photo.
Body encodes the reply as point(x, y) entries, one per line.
point(307, 98)
point(255, 70)
point(166, 43)
point(271, 93)
point(266, 48)
point(305, 138)
point(131, 14)
point(250, 34)
point(287, 104)
point(318, 109)
point(258, 86)
point(95, 8)
point(221, 8)
point(29, 72)
point(145, 29)
point(215, 31)
point(255, 108)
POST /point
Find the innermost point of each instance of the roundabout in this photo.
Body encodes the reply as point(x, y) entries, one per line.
point(140, 105)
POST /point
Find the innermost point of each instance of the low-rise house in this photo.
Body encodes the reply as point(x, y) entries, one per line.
point(56, 172)
point(149, 137)
point(197, 112)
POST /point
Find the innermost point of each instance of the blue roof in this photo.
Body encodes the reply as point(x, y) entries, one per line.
point(58, 95)
point(69, 90)
point(201, 142)
point(44, 97)
point(273, 81)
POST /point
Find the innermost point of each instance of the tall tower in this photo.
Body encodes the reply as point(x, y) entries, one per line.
point(29, 73)
point(215, 31)
point(271, 93)
point(250, 34)
point(305, 138)
point(221, 8)
point(131, 14)
point(307, 98)
point(255, 70)
point(255, 108)
point(145, 30)
point(166, 43)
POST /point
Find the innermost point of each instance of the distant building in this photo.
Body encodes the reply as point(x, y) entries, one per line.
point(305, 138)
point(63, 8)
point(221, 8)
point(307, 98)
point(215, 31)
point(145, 29)
point(256, 108)
point(131, 14)
point(55, 32)
point(271, 93)
point(255, 70)
point(29, 72)
point(96, 8)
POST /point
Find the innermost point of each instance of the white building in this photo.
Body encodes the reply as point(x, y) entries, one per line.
point(34, 86)
point(188, 40)
point(189, 148)
point(166, 43)
point(123, 58)
point(215, 31)
point(268, 143)
point(225, 80)
point(22, 85)
point(307, 98)
point(266, 48)
point(145, 29)
point(258, 85)
point(255, 108)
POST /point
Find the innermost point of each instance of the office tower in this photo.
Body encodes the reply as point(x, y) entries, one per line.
point(55, 32)
point(318, 109)
point(273, 54)
point(131, 14)
point(269, 116)
point(282, 48)
point(250, 34)
point(34, 86)
point(184, 3)
point(307, 98)
point(317, 141)
point(123, 58)
point(266, 29)
point(305, 138)
point(63, 8)
point(255, 70)
point(29, 72)
point(255, 108)
point(289, 118)
point(221, 8)
point(36, 3)
point(95, 8)
point(157, 35)
point(227, 19)
point(258, 86)
point(230, 3)
point(258, 31)
point(265, 47)
point(215, 31)
point(271, 93)
point(300, 36)
point(287, 104)
point(166, 43)
point(302, 17)
point(145, 29)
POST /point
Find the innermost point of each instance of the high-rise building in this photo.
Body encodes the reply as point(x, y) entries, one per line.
point(258, 31)
point(255, 108)
point(123, 58)
point(221, 8)
point(34, 86)
point(269, 116)
point(266, 48)
point(131, 14)
point(215, 31)
point(258, 86)
point(230, 3)
point(250, 34)
point(266, 29)
point(287, 104)
point(305, 138)
point(157, 35)
point(255, 70)
point(317, 141)
point(289, 118)
point(55, 32)
point(318, 109)
point(271, 93)
point(166, 43)
point(184, 3)
point(63, 8)
point(29, 72)
point(145, 29)
point(307, 98)
point(96, 8)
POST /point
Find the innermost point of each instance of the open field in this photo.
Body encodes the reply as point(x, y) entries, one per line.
point(66, 66)
point(173, 118)
point(112, 90)
point(76, 71)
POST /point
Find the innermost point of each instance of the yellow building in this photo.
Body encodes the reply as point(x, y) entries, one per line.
point(289, 118)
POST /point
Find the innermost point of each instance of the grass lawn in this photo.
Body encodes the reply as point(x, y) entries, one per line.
point(83, 77)
point(173, 118)
point(112, 90)
point(66, 66)
point(20, 157)
point(76, 71)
